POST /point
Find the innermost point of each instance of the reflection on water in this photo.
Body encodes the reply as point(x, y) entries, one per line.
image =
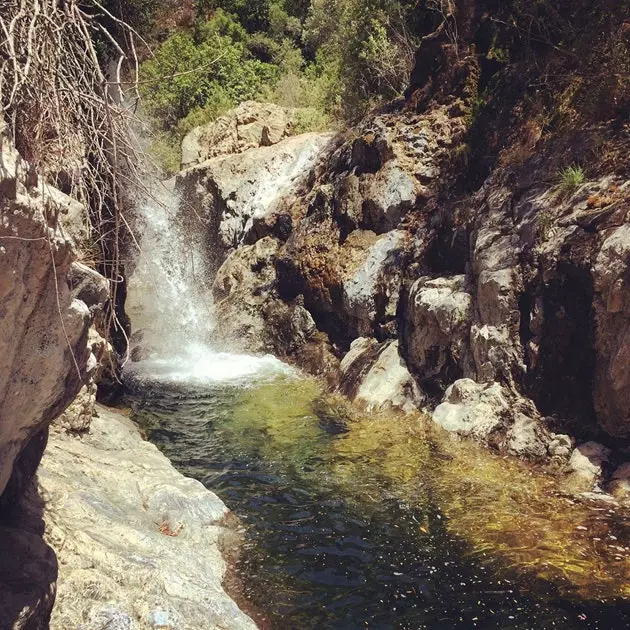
point(388, 525)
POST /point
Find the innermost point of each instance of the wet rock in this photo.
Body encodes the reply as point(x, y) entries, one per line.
point(437, 324)
point(237, 196)
point(377, 376)
point(247, 309)
point(619, 484)
point(473, 409)
point(116, 507)
point(589, 461)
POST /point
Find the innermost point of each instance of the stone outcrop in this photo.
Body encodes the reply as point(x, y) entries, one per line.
point(48, 354)
point(248, 126)
point(236, 198)
point(139, 545)
point(377, 376)
point(507, 303)
point(44, 324)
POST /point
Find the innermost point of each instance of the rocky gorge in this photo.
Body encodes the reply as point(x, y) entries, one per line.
point(399, 352)
point(489, 317)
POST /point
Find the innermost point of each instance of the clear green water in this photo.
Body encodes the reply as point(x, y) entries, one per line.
point(388, 525)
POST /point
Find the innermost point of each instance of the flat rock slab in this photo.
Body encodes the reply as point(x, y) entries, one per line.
point(138, 544)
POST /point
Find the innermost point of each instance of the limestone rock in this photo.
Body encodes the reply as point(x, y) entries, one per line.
point(473, 409)
point(589, 460)
point(116, 507)
point(371, 292)
point(247, 310)
point(612, 373)
point(237, 196)
point(43, 327)
point(388, 196)
point(376, 375)
point(619, 485)
point(493, 415)
point(28, 566)
point(248, 126)
point(437, 324)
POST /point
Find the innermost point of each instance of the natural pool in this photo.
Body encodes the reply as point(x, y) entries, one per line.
point(389, 524)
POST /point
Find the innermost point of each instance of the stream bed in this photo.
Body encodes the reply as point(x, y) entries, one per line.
point(356, 521)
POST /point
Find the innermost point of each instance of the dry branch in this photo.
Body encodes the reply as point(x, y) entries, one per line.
point(67, 120)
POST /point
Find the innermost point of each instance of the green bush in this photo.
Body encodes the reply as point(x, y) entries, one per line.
point(570, 178)
point(201, 71)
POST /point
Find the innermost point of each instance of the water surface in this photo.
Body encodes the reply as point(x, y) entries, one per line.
point(387, 525)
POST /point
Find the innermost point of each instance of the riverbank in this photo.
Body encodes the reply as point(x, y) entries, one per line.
point(138, 544)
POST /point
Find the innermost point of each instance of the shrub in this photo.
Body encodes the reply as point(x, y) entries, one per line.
point(190, 73)
point(570, 178)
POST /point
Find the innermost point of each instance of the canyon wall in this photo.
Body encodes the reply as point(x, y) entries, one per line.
point(438, 248)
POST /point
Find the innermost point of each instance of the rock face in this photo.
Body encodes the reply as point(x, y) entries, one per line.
point(249, 126)
point(506, 297)
point(138, 543)
point(43, 325)
point(237, 197)
point(47, 354)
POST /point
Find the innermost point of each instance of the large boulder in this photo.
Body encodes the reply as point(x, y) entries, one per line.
point(376, 375)
point(491, 414)
point(237, 197)
point(248, 126)
point(47, 302)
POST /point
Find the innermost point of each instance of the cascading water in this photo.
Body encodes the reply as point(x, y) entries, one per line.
point(170, 306)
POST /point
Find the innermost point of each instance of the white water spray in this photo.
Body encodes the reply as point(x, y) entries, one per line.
point(170, 306)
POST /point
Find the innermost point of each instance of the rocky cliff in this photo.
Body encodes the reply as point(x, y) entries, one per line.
point(438, 255)
point(47, 302)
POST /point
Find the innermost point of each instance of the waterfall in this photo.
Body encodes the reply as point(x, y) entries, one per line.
point(170, 306)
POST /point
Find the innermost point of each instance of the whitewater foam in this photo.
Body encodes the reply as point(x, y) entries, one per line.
point(170, 306)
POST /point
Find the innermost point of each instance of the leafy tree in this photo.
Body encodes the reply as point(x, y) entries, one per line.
point(191, 71)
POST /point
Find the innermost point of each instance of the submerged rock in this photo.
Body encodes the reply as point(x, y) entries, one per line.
point(139, 545)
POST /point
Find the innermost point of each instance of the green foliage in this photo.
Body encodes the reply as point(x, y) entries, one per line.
point(204, 71)
point(252, 14)
point(331, 59)
point(570, 178)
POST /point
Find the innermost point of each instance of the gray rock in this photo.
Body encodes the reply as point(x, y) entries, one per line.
point(437, 324)
point(377, 376)
point(589, 461)
point(473, 409)
point(388, 196)
point(612, 304)
point(138, 544)
point(619, 484)
point(248, 126)
point(44, 353)
point(238, 196)
point(371, 292)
